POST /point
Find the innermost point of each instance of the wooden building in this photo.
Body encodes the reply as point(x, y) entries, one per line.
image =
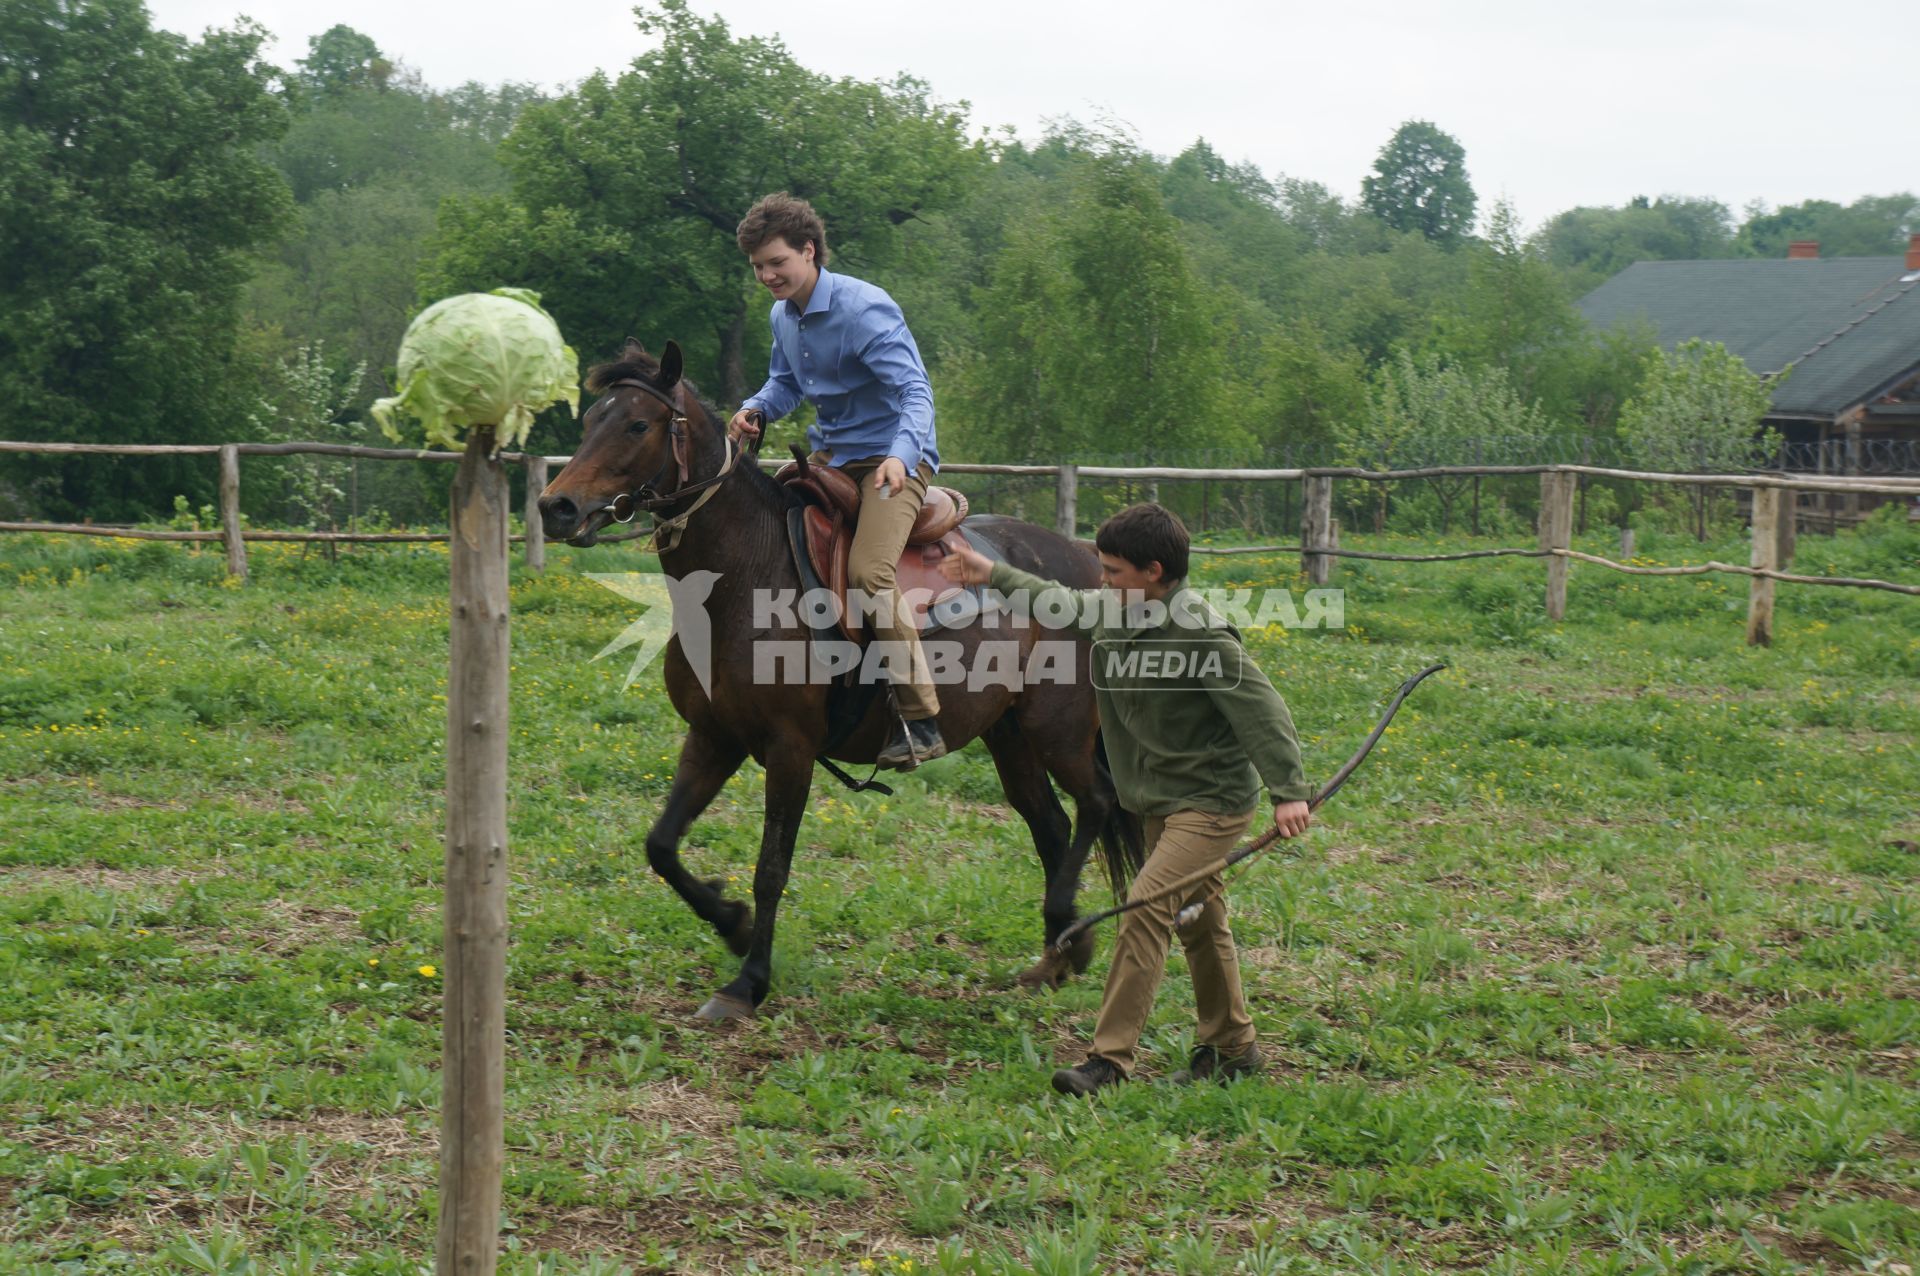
point(1847, 328)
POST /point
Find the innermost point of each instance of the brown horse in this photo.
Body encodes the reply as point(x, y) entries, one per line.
point(648, 438)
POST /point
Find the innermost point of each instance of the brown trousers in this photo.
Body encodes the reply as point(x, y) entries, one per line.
point(1183, 843)
point(878, 539)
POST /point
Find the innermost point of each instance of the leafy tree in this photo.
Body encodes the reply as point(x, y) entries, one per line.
point(664, 160)
point(1300, 391)
point(131, 193)
point(395, 127)
point(309, 400)
point(1590, 245)
point(1422, 411)
point(370, 161)
point(1098, 334)
point(1419, 183)
point(1232, 224)
point(1698, 410)
point(1514, 313)
point(1325, 221)
point(340, 59)
point(1377, 301)
point(1874, 226)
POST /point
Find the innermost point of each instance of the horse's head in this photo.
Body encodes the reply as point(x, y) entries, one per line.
point(633, 445)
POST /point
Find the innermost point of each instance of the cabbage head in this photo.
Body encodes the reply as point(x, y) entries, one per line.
point(481, 358)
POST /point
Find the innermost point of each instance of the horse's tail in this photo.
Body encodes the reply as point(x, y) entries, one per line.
point(1123, 841)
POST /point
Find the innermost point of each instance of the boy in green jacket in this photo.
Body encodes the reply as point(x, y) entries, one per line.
point(1192, 727)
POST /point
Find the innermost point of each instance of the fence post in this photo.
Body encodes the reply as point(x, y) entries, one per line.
point(1626, 544)
point(1766, 557)
point(473, 998)
point(1789, 529)
point(1556, 532)
point(1316, 528)
point(1066, 500)
point(230, 511)
point(536, 531)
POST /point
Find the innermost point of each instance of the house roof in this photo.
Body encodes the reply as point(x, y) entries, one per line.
point(1848, 326)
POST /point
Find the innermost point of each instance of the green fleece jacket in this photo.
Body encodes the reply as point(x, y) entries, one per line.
point(1190, 721)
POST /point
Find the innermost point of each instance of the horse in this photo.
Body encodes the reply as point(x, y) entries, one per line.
point(650, 442)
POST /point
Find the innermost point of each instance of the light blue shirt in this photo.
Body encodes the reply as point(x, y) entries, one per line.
point(851, 356)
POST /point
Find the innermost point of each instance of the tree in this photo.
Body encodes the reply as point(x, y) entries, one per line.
point(340, 59)
point(307, 404)
point(131, 193)
point(1590, 245)
point(1421, 411)
point(1514, 314)
point(370, 163)
point(1099, 335)
point(1233, 225)
point(1301, 391)
point(665, 159)
point(1698, 410)
point(1419, 183)
point(1874, 226)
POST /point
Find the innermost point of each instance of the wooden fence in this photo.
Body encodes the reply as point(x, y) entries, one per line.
point(1772, 542)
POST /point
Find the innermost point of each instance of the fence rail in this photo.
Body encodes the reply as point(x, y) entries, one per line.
point(1772, 535)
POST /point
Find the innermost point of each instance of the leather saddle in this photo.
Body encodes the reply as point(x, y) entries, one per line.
point(822, 532)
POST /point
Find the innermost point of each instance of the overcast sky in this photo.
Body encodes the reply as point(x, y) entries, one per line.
point(1557, 104)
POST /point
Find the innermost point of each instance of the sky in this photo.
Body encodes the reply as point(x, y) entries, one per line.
point(1557, 104)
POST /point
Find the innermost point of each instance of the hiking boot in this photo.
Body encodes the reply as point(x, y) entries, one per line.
point(920, 742)
point(1207, 1065)
point(1095, 1074)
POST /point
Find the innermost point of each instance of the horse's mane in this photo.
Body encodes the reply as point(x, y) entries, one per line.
point(646, 368)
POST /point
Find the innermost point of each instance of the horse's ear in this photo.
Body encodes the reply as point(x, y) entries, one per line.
point(632, 351)
point(670, 363)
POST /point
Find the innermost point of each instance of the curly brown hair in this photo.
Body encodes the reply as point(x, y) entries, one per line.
point(791, 219)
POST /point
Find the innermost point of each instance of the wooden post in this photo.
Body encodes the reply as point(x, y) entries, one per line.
point(1066, 499)
point(1556, 532)
point(230, 511)
point(1789, 529)
point(1626, 544)
point(1316, 528)
point(536, 530)
point(1766, 557)
point(473, 1066)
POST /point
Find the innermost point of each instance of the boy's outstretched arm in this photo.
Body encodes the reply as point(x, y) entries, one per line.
point(1072, 609)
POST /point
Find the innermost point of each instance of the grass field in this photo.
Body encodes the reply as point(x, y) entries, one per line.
point(1607, 961)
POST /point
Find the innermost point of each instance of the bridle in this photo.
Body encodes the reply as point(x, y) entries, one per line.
point(648, 496)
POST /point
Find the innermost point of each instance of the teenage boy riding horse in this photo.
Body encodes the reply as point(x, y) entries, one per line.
point(842, 345)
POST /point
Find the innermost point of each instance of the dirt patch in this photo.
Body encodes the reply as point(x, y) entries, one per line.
point(94, 877)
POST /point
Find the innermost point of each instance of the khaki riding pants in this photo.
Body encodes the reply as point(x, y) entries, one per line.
point(1184, 843)
point(878, 539)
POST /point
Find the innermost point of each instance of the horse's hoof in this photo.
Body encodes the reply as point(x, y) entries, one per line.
point(723, 1006)
point(1049, 972)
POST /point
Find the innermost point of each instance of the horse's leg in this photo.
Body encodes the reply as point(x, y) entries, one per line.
point(1023, 777)
point(789, 777)
point(705, 764)
point(1061, 735)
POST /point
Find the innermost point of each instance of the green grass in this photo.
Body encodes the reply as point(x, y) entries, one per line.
point(1605, 962)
